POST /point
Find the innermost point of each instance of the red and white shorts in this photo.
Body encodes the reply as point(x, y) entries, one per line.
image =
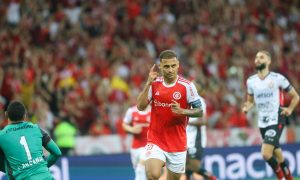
point(174, 161)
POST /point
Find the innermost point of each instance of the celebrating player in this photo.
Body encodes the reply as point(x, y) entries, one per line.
point(171, 98)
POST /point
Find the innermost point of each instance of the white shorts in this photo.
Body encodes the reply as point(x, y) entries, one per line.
point(137, 155)
point(174, 161)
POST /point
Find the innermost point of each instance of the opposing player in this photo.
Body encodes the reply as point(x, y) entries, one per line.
point(171, 98)
point(196, 141)
point(264, 91)
point(22, 144)
point(137, 122)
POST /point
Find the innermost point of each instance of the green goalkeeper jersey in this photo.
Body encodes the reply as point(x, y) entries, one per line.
point(22, 144)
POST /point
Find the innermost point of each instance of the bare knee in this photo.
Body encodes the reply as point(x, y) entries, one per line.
point(152, 175)
point(266, 155)
point(193, 165)
point(267, 151)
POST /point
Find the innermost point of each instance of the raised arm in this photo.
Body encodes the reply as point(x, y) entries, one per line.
point(142, 99)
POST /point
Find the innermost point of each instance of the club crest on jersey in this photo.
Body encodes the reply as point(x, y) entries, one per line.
point(176, 95)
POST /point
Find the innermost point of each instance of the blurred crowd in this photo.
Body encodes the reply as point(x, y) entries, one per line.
point(85, 61)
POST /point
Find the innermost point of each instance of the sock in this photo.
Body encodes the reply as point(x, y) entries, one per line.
point(140, 172)
point(276, 168)
point(286, 171)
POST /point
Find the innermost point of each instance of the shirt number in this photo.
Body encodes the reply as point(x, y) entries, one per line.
point(23, 142)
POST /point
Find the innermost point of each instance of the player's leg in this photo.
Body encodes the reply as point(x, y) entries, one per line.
point(267, 153)
point(155, 160)
point(194, 165)
point(153, 168)
point(194, 156)
point(278, 154)
point(172, 175)
point(140, 173)
point(283, 164)
point(270, 140)
point(134, 154)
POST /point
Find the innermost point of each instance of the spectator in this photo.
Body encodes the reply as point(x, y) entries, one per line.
point(65, 133)
point(49, 48)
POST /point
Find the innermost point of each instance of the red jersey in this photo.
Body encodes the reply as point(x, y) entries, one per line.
point(168, 130)
point(135, 117)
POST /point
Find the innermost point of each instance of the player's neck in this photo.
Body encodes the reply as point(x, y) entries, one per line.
point(16, 122)
point(263, 73)
point(168, 81)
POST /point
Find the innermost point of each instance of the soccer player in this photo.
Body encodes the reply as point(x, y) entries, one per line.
point(22, 142)
point(171, 98)
point(196, 141)
point(264, 91)
point(137, 122)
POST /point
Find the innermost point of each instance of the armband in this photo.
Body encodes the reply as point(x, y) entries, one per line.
point(196, 104)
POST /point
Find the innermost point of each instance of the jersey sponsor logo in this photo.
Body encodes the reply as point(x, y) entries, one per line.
point(176, 95)
point(18, 128)
point(265, 107)
point(157, 93)
point(31, 162)
point(158, 103)
point(265, 95)
point(270, 133)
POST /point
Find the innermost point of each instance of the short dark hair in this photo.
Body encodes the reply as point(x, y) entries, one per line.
point(16, 111)
point(167, 54)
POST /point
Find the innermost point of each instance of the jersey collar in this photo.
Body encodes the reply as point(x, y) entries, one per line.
point(170, 85)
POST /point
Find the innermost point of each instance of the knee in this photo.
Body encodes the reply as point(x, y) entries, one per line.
point(193, 165)
point(266, 155)
point(152, 175)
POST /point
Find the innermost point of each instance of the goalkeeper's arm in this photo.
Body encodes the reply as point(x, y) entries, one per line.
point(54, 151)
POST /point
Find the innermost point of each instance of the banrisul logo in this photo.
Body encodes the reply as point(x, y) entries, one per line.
point(176, 95)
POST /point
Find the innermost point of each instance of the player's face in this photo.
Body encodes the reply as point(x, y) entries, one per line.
point(262, 61)
point(169, 68)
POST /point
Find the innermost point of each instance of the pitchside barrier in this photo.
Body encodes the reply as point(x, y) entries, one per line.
point(226, 163)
